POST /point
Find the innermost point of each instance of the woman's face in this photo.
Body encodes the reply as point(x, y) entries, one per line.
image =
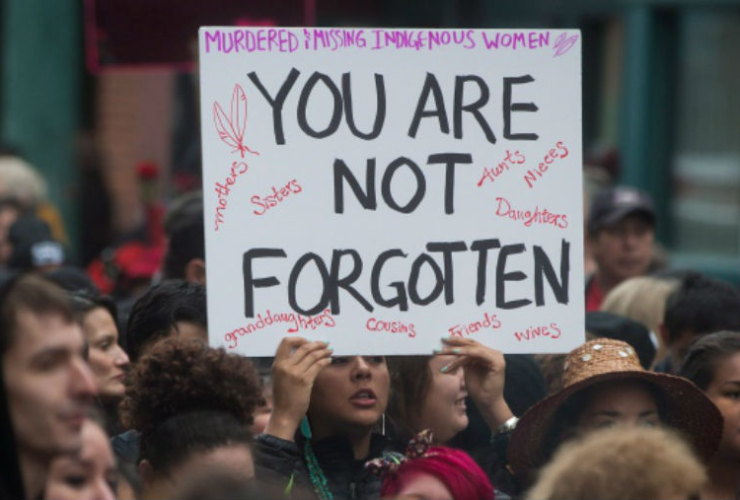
point(724, 391)
point(443, 410)
point(107, 360)
point(349, 395)
point(88, 474)
point(619, 403)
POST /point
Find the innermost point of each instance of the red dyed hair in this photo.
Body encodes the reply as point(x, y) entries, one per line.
point(462, 476)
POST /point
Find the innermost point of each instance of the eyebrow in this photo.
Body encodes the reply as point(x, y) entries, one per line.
point(731, 382)
point(612, 413)
point(59, 351)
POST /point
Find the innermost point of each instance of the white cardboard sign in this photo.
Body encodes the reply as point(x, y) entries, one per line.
point(382, 188)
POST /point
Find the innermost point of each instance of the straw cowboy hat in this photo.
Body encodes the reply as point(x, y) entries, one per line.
point(687, 408)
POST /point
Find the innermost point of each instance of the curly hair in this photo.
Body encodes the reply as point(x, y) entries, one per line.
point(622, 463)
point(184, 375)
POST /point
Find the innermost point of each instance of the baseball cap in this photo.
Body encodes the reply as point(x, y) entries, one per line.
point(33, 244)
point(613, 204)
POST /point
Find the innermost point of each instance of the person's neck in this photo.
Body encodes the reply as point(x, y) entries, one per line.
point(34, 469)
point(606, 283)
point(723, 479)
point(358, 441)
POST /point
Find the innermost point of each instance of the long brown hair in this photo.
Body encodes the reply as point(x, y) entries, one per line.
point(411, 380)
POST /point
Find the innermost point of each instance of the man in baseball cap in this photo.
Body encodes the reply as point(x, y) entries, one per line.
point(621, 233)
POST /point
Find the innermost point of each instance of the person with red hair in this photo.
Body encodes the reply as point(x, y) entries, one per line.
point(431, 473)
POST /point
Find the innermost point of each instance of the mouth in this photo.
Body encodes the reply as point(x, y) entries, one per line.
point(364, 398)
point(74, 419)
point(460, 402)
point(120, 377)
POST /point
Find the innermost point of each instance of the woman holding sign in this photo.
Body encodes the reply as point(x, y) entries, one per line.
point(324, 409)
point(430, 392)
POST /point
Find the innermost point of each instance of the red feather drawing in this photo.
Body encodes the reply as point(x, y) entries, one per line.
point(231, 129)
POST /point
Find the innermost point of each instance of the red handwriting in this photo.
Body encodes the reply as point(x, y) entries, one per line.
point(558, 152)
point(231, 129)
point(376, 325)
point(223, 190)
point(533, 332)
point(295, 323)
point(515, 158)
point(489, 321)
point(529, 217)
point(277, 197)
point(525, 40)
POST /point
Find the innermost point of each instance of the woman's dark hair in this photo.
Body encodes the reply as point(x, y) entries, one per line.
point(184, 375)
point(159, 309)
point(563, 423)
point(175, 440)
point(702, 359)
point(701, 305)
point(83, 303)
point(411, 380)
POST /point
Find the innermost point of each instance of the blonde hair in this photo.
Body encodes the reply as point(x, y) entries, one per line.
point(621, 463)
point(21, 182)
point(641, 299)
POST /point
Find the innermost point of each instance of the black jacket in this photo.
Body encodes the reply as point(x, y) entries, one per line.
point(282, 463)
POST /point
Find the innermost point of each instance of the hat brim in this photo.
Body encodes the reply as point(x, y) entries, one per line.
point(689, 411)
point(620, 213)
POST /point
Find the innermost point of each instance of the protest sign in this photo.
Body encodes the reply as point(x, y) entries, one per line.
point(382, 188)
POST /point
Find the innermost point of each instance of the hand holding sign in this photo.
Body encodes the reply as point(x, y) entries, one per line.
point(297, 362)
point(484, 377)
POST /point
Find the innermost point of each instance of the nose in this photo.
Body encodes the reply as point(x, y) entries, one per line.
point(360, 368)
point(82, 381)
point(103, 491)
point(121, 358)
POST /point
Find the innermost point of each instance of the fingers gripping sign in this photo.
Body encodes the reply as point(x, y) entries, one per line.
point(484, 376)
point(297, 363)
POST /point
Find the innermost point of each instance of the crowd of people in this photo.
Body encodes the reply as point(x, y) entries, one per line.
point(118, 395)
